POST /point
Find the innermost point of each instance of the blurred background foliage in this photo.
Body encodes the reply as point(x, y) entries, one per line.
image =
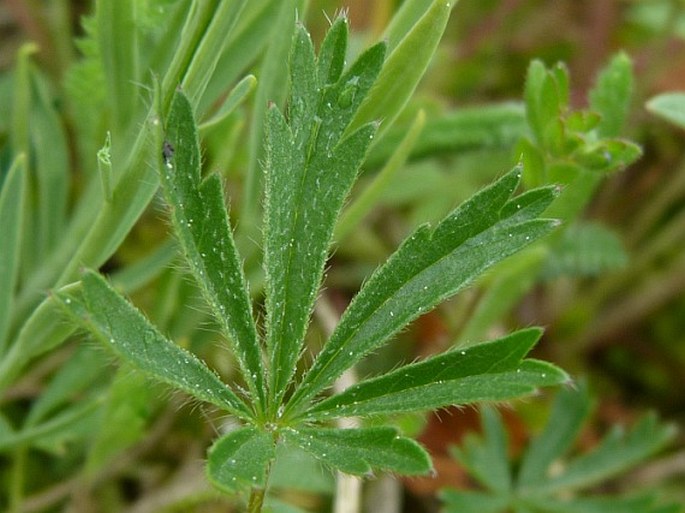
point(609, 290)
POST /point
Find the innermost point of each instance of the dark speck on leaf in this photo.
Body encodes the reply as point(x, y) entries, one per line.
point(167, 151)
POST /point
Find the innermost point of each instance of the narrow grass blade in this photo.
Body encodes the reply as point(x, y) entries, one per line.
point(237, 96)
point(370, 196)
point(463, 501)
point(492, 371)
point(51, 161)
point(201, 222)
point(430, 266)
point(310, 169)
point(12, 205)
point(114, 322)
point(361, 451)
point(62, 423)
point(119, 57)
point(206, 56)
point(404, 68)
point(252, 33)
point(239, 459)
point(43, 330)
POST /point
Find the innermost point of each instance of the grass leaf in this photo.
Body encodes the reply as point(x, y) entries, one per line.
point(12, 205)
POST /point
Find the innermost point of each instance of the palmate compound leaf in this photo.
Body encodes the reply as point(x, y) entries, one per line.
point(200, 220)
point(310, 168)
point(360, 451)
point(119, 326)
point(537, 488)
point(487, 372)
point(430, 266)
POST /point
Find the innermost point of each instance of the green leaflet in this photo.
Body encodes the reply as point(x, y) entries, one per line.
point(123, 329)
point(490, 371)
point(239, 459)
point(430, 266)
point(309, 171)
point(585, 249)
point(359, 451)
point(201, 222)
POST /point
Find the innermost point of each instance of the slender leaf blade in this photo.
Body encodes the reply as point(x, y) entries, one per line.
point(497, 356)
point(430, 266)
point(405, 67)
point(200, 219)
point(12, 205)
point(367, 398)
point(118, 325)
point(309, 172)
point(639, 504)
point(360, 451)
point(239, 459)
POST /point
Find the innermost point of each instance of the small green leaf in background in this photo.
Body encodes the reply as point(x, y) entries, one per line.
point(406, 65)
point(535, 487)
point(12, 205)
point(669, 106)
point(612, 94)
point(585, 249)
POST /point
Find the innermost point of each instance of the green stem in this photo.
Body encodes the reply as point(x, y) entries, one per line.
point(256, 500)
point(16, 481)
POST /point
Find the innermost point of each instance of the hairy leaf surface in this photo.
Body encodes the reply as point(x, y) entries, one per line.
point(123, 329)
point(201, 222)
point(491, 371)
point(239, 459)
point(360, 451)
point(430, 266)
point(309, 171)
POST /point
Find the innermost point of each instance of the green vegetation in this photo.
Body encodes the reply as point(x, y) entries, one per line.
point(201, 202)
